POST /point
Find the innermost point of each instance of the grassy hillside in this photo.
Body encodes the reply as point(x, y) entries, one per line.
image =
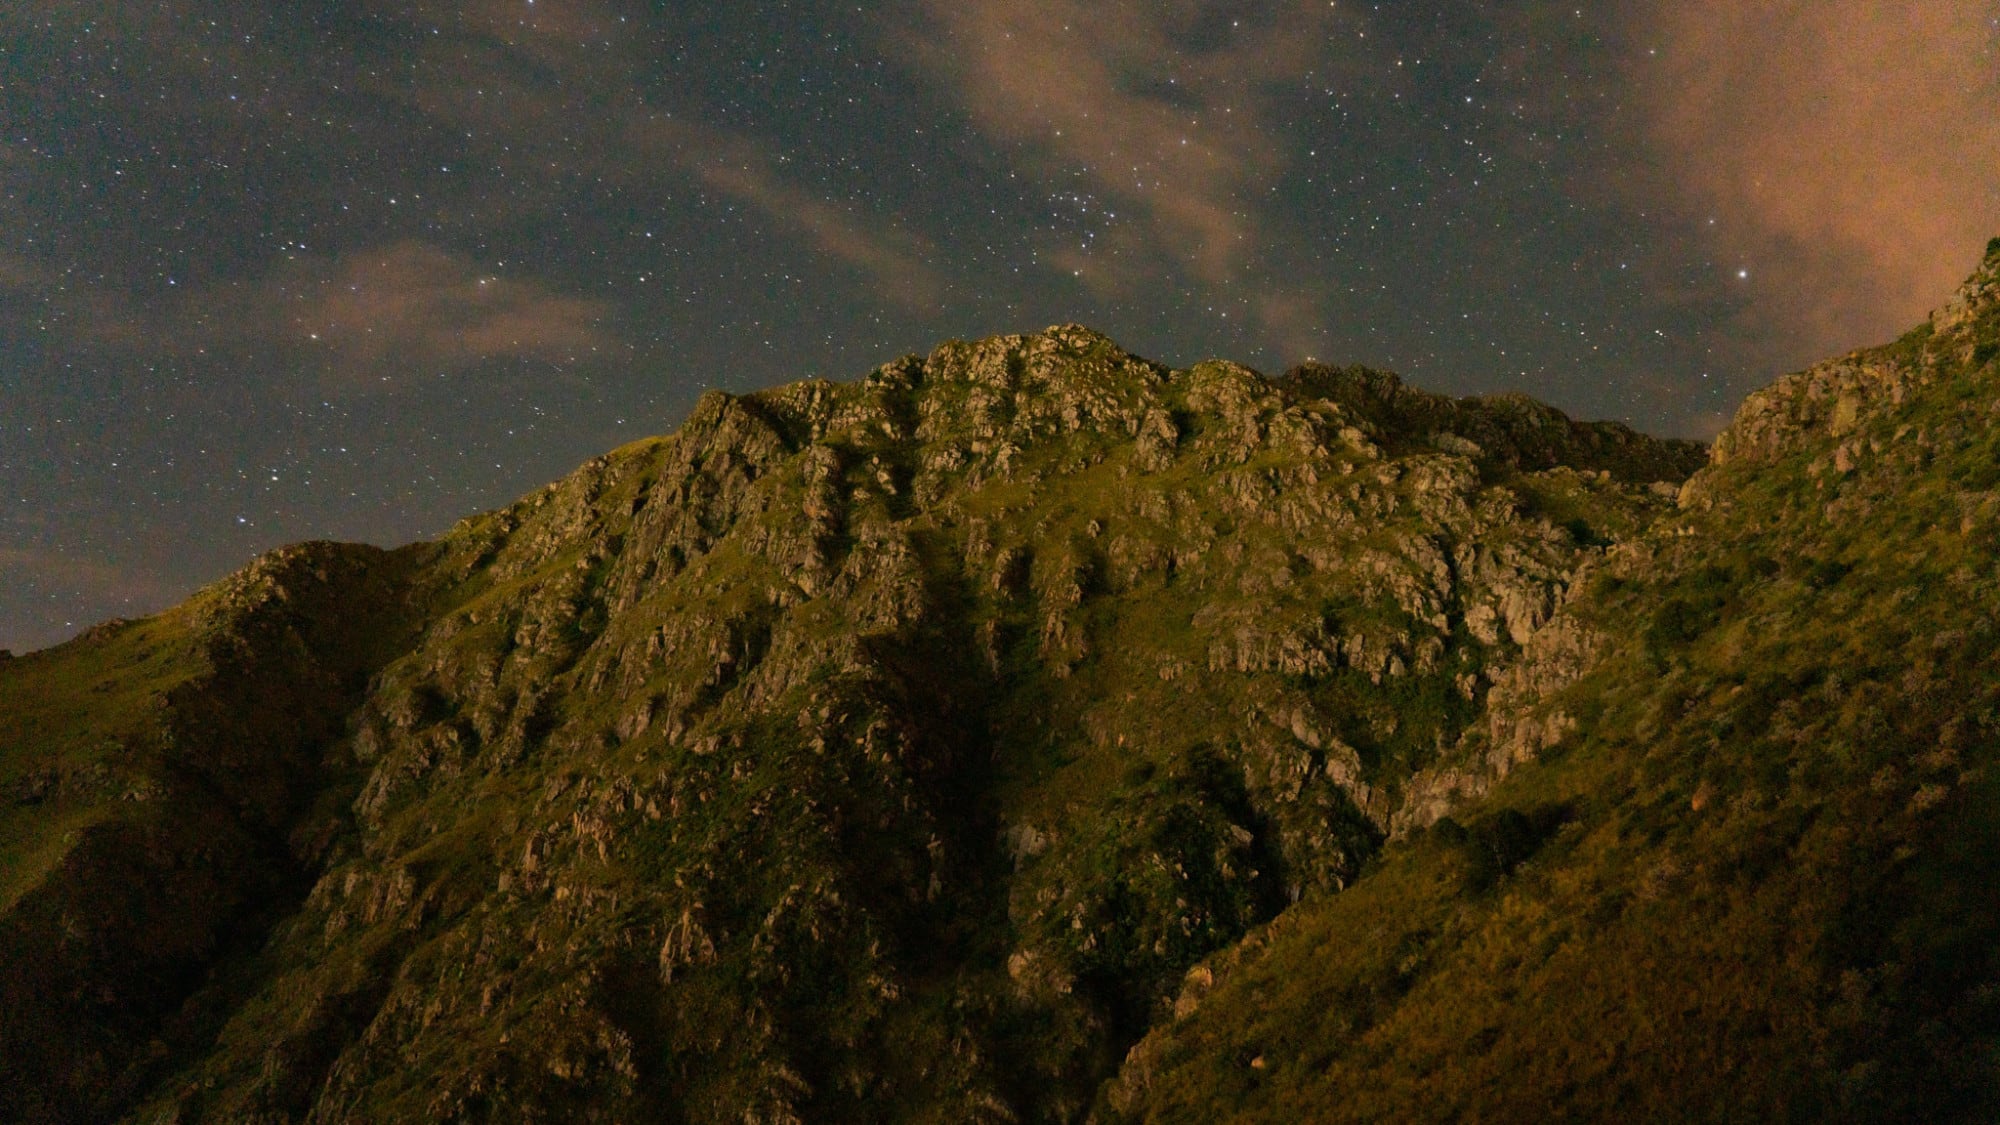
point(156, 782)
point(1753, 879)
point(1031, 732)
point(893, 748)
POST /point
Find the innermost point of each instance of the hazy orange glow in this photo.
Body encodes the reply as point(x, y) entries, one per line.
point(1848, 152)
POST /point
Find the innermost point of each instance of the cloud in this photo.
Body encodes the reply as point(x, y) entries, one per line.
point(59, 590)
point(350, 319)
point(553, 93)
point(1164, 110)
point(407, 304)
point(1848, 151)
point(896, 261)
point(369, 319)
point(103, 580)
point(37, 298)
point(573, 73)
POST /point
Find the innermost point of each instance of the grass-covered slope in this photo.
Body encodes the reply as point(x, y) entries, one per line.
point(1029, 732)
point(157, 784)
point(886, 750)
point(1745, 871)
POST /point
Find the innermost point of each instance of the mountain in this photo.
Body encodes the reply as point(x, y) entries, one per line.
point(1030, 732)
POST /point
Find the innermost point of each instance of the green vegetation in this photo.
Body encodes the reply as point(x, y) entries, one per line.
point(1028, 732)
point(149, 775)
point(1762, 899)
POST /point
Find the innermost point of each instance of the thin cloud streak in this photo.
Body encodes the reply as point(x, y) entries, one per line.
point(897, 262)
point(574, 70)
point(37, 299)
point(359, 321)
point(411, 304)
point(1180, 142)
point(100, 586)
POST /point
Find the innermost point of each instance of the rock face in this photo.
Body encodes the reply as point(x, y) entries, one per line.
point(983, 740)
point(1718, 818)
point(898, 743)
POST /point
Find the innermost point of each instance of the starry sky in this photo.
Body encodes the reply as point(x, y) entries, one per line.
point(279, 271)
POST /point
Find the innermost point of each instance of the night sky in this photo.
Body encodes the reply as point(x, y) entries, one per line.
point(271, 272)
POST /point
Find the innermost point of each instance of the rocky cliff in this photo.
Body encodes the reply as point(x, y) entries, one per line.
point(1732, 860)
point(1031, 732)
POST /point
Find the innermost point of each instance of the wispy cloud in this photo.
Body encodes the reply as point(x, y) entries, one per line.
point(350, 320)
point(37, 299)
point(555, 93)
point(1848, 151)
point(896, 261)
point(392, 308)
point(64, 582)
point(575, 72)
point(1164, 110)
point(99, 579)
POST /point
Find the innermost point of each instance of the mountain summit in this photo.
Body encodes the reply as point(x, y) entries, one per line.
point(1032, 732)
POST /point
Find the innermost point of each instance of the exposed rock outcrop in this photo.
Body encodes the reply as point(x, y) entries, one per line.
point(1715, 818)
point(902, 742)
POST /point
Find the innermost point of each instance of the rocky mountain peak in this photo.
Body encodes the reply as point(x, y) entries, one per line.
point(1830, 401)
point(940, 744)
point(1977, 300)
point(1012, 678)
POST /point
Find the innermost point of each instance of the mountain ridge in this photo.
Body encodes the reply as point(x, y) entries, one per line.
point(1745, 854)
point(911, 747)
